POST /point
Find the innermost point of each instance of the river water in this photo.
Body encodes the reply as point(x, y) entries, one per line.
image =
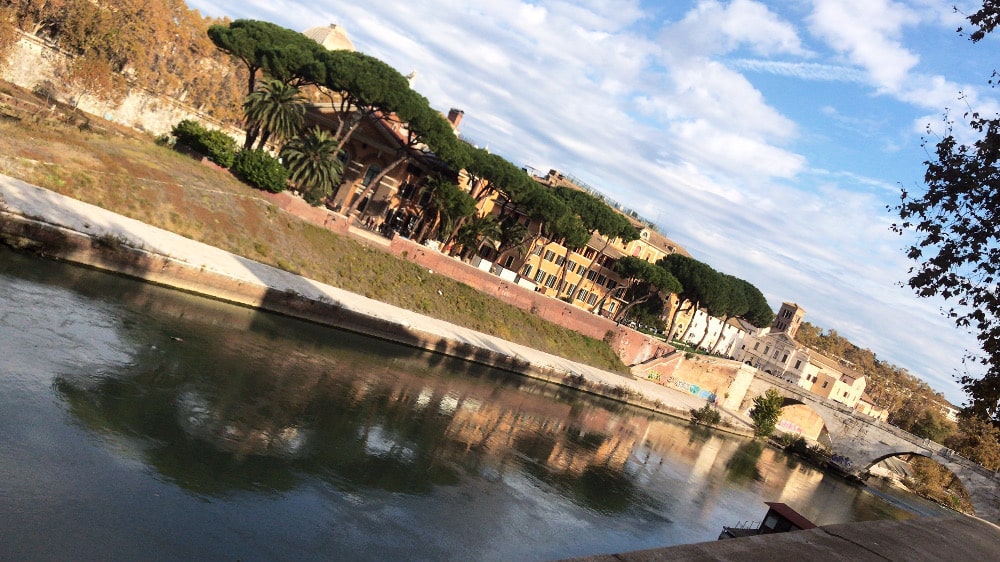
point(142, 423)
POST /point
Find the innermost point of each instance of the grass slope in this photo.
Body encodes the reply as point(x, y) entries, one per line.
point(129, 174)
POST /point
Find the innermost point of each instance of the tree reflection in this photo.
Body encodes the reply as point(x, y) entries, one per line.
point(218, 415)
point(742, 466)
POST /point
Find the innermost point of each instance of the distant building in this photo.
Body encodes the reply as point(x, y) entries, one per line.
point(332, 36)
point(775, 351)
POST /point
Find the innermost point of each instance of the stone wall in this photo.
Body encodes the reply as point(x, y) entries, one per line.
point(34, 64)
point(720, 380)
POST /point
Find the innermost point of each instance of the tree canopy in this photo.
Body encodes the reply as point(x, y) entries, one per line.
point(765, 412)
point(957, 235)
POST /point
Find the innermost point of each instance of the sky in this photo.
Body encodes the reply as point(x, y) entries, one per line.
point(767, 138)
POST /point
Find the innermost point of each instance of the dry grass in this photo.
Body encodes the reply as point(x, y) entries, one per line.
point(129, 174)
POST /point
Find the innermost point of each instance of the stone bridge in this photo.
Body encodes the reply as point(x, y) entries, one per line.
point(859, 441)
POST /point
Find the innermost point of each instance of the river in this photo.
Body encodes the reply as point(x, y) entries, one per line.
point(138, 422)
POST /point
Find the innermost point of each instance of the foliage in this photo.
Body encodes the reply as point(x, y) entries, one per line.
point(260, 169)
point(274, 112)
point(707, 414)
point(936, 482)
point(977, 440)
point(957, 230)
point(157, 44)
point(645, 281)
point(8, 34)
point(216, 145)
point(314, 164)
point(932, 425)
point(94, 76)
point(269, 49)
point(765, 413)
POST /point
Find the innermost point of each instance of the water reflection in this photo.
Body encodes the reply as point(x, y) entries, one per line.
point(270, 433)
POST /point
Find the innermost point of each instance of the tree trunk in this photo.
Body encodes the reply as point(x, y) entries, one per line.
point(694, 308)
point(347, 135)
point(590, 266)
point(704, 335)
point(252, 133)
point(722, 332)
point(371, 186)
point(624, 310)
point(263, 139)
point(673, 318)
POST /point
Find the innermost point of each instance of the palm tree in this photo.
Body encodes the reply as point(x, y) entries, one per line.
point(476, 233)
point(513, 235)
point(313, 164)
point(275, 110)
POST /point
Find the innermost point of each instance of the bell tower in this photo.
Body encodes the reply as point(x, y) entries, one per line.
point(788, 319)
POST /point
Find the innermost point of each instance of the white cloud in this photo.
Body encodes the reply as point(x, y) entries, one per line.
point(688, 122)
point(868, 32)
point(713, 28)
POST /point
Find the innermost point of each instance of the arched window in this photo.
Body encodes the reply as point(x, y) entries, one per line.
point(373, 171)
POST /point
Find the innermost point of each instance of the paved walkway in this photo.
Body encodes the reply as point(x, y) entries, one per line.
point(31, 201)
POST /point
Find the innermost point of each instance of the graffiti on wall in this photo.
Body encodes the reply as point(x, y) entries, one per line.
point(789, 427)
point(683, 386)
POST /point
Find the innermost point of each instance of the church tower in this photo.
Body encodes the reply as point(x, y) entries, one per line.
point(788, 319)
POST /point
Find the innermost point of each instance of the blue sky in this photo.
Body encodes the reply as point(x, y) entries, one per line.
point(765, 137)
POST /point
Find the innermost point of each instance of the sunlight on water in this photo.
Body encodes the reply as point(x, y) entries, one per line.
point(161, 426)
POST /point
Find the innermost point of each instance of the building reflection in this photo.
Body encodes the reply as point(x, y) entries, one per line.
point(220, 412)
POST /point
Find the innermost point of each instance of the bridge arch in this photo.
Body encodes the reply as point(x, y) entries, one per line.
point(918, 463)
point(858, 441)
point(803, 419)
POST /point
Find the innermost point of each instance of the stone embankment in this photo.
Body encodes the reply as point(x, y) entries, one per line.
point(60, 227)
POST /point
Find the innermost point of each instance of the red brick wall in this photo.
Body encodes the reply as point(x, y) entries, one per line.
point(632, 346)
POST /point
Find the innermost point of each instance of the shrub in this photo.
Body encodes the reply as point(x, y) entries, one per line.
point(261, 170)
point(707, 414)
point(216, 145)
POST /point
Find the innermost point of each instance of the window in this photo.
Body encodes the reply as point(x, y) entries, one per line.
point(591, 275)
point(775, 356)
point(551, 281)
point(526, 271)
point(845, 395)
point(562, 286)
point(581, 295)
point(825, 383)
point(538, 250)
point(580, 269)
point(767, 349)
point(373, 171)
point(798, 364)
point(612, 284)
point(592, 299)
point(756, 346)
point(784, 357)
point(611, 307)
point(560, 260)
point(549, 255)
point(601, 279)
point(540, 276)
